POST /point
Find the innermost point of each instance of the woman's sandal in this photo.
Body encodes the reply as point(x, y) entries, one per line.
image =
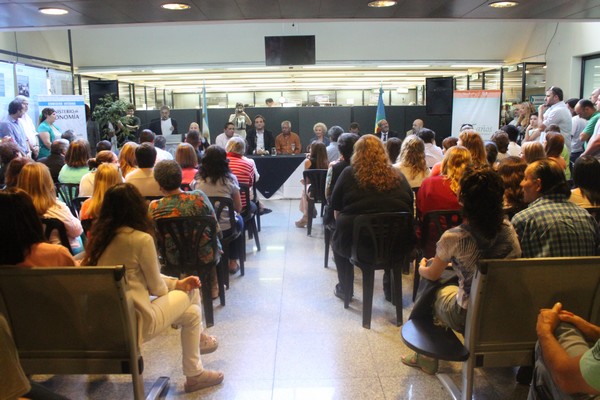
point(208, 343)
point(426, 364)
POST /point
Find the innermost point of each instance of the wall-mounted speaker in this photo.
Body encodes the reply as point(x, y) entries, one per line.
point(438, 98)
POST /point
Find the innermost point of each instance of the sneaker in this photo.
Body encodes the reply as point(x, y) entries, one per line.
point(264, 211)
point(206, 379)
point(208, 344)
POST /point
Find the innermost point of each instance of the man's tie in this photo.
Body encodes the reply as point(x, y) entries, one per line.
point(385, 137)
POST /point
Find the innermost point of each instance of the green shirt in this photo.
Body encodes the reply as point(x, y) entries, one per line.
point(590, 366)
point(589, 128)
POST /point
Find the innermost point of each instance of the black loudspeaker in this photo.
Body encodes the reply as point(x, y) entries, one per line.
point(439, 96)
point(98, 89)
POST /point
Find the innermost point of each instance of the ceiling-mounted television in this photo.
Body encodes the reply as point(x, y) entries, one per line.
point(290, 50)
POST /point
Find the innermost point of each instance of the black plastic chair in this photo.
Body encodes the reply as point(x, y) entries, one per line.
point(86, 224)
point(185, 187)
point(55, 224)
point(188, 234)
point(67, 192)
point(594, 212)
point(77, 202)
point(220, 204)
point(434, 224)
point(255, 201)
point(381, 241)
point(314, 187)
point(250, 218)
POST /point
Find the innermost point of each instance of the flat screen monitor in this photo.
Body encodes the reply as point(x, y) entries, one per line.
point(290, 50)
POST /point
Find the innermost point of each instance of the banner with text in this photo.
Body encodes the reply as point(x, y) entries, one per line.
point(480, 108)
point(70, 112)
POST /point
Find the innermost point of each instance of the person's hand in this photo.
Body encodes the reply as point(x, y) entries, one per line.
point(590, 331)
point(187, 284)
point(423, 262)
point(548, 320)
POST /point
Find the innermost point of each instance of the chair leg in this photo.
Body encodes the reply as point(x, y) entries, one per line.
point(348, 286)
point(241, 243)
point(255, 230)
point(396, 273)
point(368, 286)
point(207, 301)
point(311, 206)
point(416, 280)
point(221, 281)
point(327, 237)
point(257, 218)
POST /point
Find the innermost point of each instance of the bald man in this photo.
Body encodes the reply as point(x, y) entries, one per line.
point(417, 125)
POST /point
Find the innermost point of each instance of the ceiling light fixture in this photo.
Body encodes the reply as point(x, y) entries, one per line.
point(53, 11)
point(176, 6)
point(504, 4)
point(382, 3)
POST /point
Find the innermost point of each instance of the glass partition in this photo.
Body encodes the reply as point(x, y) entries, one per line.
point(535, 83)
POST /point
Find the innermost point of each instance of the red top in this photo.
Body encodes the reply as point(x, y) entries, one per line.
point(435, 194)
point(243, 171)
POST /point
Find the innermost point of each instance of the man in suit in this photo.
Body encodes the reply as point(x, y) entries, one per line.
point(165, 125)
point(260, 140)
point(384, 131)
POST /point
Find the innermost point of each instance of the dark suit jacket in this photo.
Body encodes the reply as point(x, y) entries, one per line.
point(251, 140)
point(54, 162)
point(155, 127)
point(392, 134)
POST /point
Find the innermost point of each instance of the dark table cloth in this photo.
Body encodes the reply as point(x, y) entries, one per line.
point(274, 171)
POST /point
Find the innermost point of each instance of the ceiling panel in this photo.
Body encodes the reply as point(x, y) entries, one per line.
point(267, 9)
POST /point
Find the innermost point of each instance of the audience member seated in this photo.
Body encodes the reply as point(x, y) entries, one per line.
point(433, 154)
point(216, 180)
point(103, 145)
point(287, 142)
point(586, 178)
point(317, 159)
point(512, 171)
point(56, 160)
point(334, 133)
point(24, 244)
point(142, 178)
point(160, 143)
point(345, 145)
point(86, 186)
point(8, 152)
point(147, 136)
point(473, 142)
point(127, 160)
point(370, 185)
point(447, 143)
point(491, 153)
point(319, 135)
point(107, 176)
point(35, 179)
point(500, 138)
point(76, 160)
point(177, 203)
point(514, 149)
point(532, 151)
point(193, 138)
point(411, 161)
point(555, 143)
point(566, 366)
point(552, 226)
point(392, 147)
point(484, 233)
point(122, 235)
point(241, 167)
point(440, 192)
point(187, 159)
point(14, 170)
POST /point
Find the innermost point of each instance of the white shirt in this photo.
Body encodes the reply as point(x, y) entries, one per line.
point(260, 140)
point(222, 140)
point(514, 150)
point(29, 128)
point(433, 154)
point(143, 179)
point(162, 155)
point(559, 114)
point(578, 125)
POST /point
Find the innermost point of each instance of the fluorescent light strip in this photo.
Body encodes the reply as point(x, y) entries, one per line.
point(176, 70)
point(404, 66)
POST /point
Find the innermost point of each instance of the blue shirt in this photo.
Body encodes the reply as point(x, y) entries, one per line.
point(11, 127)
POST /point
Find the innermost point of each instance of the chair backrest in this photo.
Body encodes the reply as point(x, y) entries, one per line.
point(77, 202)
point(225, 205)
point(189, 245)
point(594, 212)
point(68, 320)
point(316, 179)
point(382, 239)
point(55, 224)
point(67, 192)
point(507, 295)
point(245, 192)
point(185, 187)
point(86, 224)
point(434, 224)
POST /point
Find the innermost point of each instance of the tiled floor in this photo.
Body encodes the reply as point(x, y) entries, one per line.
point(283, 335)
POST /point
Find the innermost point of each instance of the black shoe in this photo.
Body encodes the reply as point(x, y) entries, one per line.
point(264, 211)
point(338, 292)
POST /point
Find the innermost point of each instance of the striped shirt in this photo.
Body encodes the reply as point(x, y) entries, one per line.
point(243, 171)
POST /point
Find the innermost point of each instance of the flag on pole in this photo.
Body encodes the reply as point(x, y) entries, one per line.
point(380, 110)
point(205, 129)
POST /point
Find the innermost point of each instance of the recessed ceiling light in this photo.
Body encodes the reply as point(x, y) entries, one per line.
point(176, 6)
point(53, 11)
point(382, 3)
point(503, 4)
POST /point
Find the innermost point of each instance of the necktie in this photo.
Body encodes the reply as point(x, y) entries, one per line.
point(385, 137)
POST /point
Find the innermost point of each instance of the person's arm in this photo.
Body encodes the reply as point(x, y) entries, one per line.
point(279, 144)
point(565, 370)
point(433, 268)
point(158, 285)
point(592, 147)
point(45, 138)
point(534, 136)
point(298, 148)
point(589, 330)
point(188, 284)
point(62, 212)
point(542, 125)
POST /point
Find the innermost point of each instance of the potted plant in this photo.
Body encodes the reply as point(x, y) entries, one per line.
point(111, 115)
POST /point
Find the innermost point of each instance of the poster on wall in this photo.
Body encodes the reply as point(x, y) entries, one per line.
point(70, 112)
point(7, 87)
point(61, 82)
point(31, 82)
point(480, 108)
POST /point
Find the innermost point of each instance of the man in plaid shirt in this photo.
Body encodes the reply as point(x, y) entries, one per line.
point(552, 226)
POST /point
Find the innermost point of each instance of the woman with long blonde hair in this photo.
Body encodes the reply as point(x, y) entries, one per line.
point(36, 180)
point(474, 143)
point(411, 161)
point(107, 176)
point(440, 192)
point(369, 185)
point(127, 161)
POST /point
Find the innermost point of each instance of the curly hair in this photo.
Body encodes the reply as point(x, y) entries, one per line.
point(123, 206)
point(372, 167)
point(512, 172)
point(481, 194)
point(473, 142)
point(455, 161)
point(502, 141)
point(412, 155)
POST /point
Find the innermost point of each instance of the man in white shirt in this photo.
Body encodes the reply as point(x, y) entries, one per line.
point(554, 111)
point(28, 127)
point(147, 136)
point(228, 133)
point(333, 153)
point(433, 154)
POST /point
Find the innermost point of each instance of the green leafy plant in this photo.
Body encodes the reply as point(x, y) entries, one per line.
point(111, 115)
